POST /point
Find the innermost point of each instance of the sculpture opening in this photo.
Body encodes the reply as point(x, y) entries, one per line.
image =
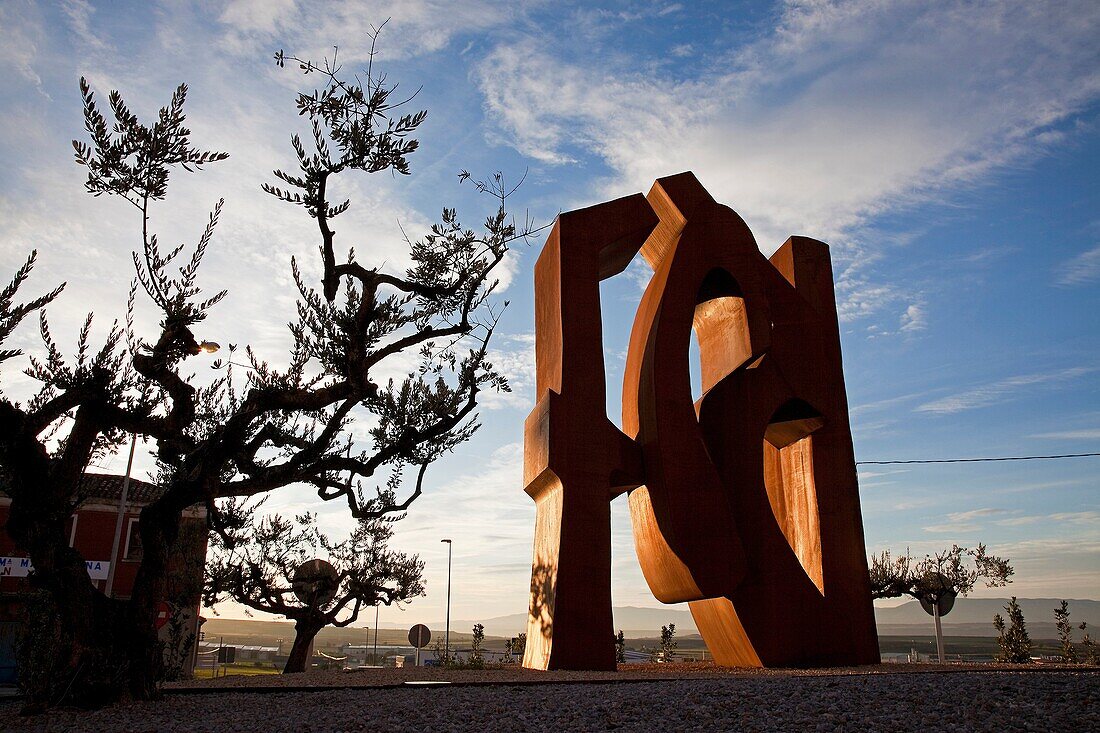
point(789, 478)
point(721, 327)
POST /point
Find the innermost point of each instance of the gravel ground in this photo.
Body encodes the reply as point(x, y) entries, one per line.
point(514, 673)
point(1046, 700)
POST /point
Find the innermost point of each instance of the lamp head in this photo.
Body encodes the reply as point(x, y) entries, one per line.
point(209, 347)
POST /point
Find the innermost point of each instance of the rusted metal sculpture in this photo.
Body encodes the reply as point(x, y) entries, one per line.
point(744, 503)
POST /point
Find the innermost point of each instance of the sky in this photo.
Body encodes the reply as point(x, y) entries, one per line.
point(946, 151)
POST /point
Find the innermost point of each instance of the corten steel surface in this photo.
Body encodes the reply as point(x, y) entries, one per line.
point(745, 503)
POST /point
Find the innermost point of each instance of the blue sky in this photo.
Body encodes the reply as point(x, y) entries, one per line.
point(946, 151)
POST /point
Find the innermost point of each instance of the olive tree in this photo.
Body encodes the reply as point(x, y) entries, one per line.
point(283, 422)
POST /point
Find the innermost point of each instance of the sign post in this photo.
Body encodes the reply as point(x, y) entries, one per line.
point(937, 600)
point(419, 636)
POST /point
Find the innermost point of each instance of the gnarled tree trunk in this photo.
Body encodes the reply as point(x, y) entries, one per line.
point(159, 526)
point(305, 632)
point(81, 647)
point(73, 650)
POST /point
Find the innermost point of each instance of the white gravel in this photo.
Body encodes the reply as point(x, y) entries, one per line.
point(1055, 700)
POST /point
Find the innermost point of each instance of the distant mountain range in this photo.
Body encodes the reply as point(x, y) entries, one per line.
point(628, 618)
point(969, 617)
point(982, 610)
point(974, 617)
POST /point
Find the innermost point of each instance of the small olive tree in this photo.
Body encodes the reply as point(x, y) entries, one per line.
point(254, 562)
point(937, 578)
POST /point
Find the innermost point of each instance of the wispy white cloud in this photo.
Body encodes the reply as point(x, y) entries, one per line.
point(22, 35)
point(867, 473)
point(905, 506)
point(858, 298)
point(1052, 546)
point(913, 319)
point(1082, 269)
point(1020, 521)
point(1045, 486)
point(79, 14)
point(1086, 434)
point(974, 514)
point(999, 391)
point(963, 522)
point(1089, 517)
point(415, 27)
point(514, 356)
point(951, 527)
point(887, 403)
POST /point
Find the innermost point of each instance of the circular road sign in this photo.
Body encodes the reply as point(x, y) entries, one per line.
point(938, 592)
point(315, 583)
point(946, 603)
point(419, 636)
point(164, 614)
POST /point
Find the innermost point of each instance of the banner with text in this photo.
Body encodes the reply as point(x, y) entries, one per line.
point(20, 567)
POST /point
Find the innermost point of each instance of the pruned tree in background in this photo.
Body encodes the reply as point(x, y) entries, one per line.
point(515, 645)
point(1088, 647)
point(254, 561)
point(1013, 638)
point(665, 650)
point(276, 425)
point(476, 660)
point(668, 641)
point(937, 579)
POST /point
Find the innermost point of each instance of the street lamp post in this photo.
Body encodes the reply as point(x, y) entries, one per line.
point(448, 631)
point(108, 591)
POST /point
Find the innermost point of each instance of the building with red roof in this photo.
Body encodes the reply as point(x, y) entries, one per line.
point(91, 531)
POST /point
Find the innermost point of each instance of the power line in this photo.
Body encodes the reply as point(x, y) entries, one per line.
point(979, 460)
